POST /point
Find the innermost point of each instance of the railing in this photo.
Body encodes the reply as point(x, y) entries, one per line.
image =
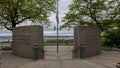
point(76, 49)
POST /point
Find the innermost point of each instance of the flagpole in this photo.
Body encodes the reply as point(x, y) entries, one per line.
point(57, 29)
point(57, 38)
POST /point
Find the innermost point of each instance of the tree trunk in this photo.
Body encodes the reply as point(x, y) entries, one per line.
point(13, 25)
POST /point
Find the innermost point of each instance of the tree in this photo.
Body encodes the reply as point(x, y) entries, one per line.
point(112, 38)
point(104, 14)
point(13, 12)
point(100, 13)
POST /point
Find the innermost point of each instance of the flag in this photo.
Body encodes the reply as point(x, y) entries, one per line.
point(57, 17)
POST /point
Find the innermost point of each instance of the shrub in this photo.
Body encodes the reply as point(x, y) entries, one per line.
point(112, 38)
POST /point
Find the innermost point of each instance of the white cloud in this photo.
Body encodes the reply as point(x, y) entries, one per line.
point(63, 8)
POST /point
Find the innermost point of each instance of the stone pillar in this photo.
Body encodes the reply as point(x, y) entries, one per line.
point(90, 36)
point(24, 38)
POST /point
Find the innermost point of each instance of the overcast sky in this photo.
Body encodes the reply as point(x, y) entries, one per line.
point(63, 8)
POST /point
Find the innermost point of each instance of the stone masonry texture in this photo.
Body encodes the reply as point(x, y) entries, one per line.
point(90, 36)
point(24, 38)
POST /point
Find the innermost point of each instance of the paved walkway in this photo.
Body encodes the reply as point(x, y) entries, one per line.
point(107, 59)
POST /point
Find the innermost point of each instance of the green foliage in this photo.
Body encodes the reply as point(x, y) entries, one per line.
point(59, 40)
point(13, 12)
point(51, 42)
point(92, 13)
point(104, 14)
point(112, 38)
point(6, 47)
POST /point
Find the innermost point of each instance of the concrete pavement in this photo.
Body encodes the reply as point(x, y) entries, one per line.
point(107, 59)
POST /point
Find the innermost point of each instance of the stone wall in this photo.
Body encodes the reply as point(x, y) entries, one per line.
point(90, 36)
point(23, 39)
